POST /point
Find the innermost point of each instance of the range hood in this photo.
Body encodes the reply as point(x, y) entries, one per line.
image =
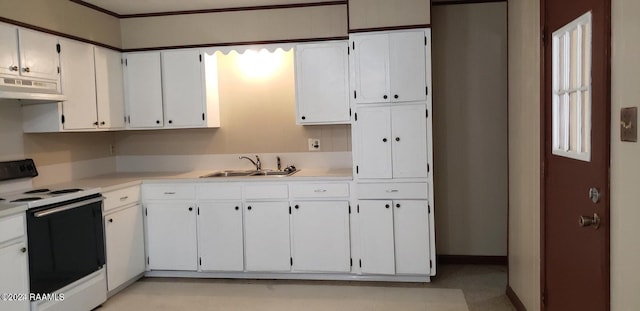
point(31, 90)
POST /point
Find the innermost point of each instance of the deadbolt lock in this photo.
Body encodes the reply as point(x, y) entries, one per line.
point(594, 195)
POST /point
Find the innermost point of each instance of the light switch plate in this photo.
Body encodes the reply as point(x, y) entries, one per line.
point(629, 124)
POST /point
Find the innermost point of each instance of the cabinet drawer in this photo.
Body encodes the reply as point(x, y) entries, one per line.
point(11, 227)
point(320, 190)
point(169, 192)
point(266, 191)
point(392, 191)
point(121, 197)
point(220, 192)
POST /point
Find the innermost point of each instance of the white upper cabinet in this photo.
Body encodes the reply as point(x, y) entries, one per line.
point(391, 142)
point(9, 60)
point(389, 66)
point(144, 90)
point(109, 88)
point(38, 54)
point(322, 83)
point(183, 88)
point(78, 85)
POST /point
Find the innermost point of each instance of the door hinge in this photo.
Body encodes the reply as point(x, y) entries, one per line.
point(348, 51)
point(428, 168)
point(58, 49)
point(58, 69)
point(357, 169)
point(354, 45)
point(351, 262)
point(62, 119)
point(129, 119)
point(430, 264)
point(426, 88)
point(126, 62)
point(291, 261)
point(358, 208)
point(203, 116)
point(356, 116)
point(200, 261)
point(146, 212)
point(426, 114)
point(200, 57)
point(355, 94)
point(425, 40)
point(122, 61)
point(349, 111)
point(349, 208)
point(198, 211)
point(289, 210)
point(428, 209)
point(360, 263)
point(148, 261)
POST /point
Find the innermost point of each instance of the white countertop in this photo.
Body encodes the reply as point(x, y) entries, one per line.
point(116, 181)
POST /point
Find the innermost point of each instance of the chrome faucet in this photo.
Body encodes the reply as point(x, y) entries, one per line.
point(256, 162)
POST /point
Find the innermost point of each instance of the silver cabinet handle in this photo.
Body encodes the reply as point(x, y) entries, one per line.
point(169, 193)
point(392, 190)
point(124, 198)
point(320, 190)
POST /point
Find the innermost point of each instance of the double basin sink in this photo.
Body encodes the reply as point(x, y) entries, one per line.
point(249, 173)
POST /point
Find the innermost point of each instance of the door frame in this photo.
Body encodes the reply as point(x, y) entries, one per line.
point(543, 141)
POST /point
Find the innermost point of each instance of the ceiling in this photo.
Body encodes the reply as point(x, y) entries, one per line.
point(127, 7)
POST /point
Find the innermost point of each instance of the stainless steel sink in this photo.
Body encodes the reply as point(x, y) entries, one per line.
point(229, 173)
point(245, 173)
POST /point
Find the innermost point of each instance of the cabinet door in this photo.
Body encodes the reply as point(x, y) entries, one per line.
point(371, 67)
point(183, 87)
point(109, 88)
point(124, 237)
point(220, 236)
point(266, 227)
point(407, 66)
point(409, 140)
point(78, 85)
point(38, 55)
point(143, 90)
point(320, 236)
point(373, 141)
point(15, 276)
point(375, 219)
point(9, 63)
point(411, 224)
point(171, 236)
point(322, 83)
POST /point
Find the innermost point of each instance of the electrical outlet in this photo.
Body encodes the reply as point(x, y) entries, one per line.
point(112, 149)
point(314, 144)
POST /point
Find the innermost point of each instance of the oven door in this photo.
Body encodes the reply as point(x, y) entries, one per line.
point(66, 243)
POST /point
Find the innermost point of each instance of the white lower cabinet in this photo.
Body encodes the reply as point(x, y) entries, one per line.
point(320, 236)
point(266, 228)
point(220, 243)
point(14, 272)
point(171, 236)
point(124, 240)
point(394, 236)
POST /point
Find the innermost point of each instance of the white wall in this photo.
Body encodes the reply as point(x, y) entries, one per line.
point(524, 151)
point(11, 131)
point(625, 159)
point(470, 128)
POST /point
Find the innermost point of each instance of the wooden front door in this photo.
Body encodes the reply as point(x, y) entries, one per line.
point(576, 110)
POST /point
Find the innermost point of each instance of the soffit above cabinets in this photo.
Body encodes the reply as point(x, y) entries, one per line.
point(128, 7)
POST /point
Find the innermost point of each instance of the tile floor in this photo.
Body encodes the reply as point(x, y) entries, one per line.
point(457, 287)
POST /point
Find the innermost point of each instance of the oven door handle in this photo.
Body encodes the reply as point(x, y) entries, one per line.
point(67, 207)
